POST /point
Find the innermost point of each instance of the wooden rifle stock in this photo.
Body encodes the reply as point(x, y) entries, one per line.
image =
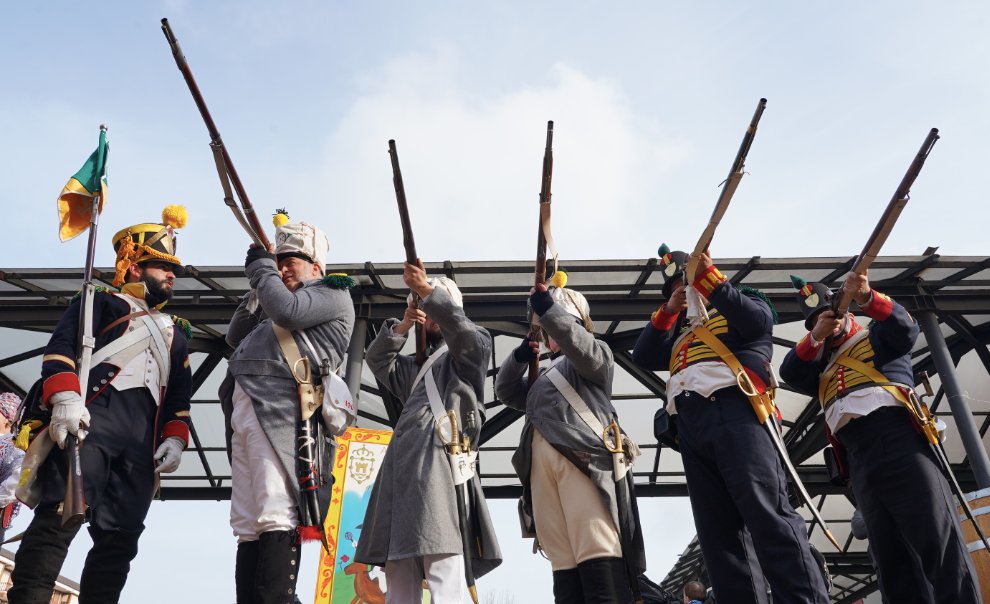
point(407, 242)
point(183, 65)
point(74, 506)
point(540, 272)
point(841, 301)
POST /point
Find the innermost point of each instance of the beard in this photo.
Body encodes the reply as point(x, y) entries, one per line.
point(433, 335)
point(156, 291)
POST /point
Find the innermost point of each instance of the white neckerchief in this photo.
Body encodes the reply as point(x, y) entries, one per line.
point(697, 314)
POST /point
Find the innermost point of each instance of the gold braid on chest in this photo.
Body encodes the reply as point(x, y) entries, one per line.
point(844, 377)
point(690, 349)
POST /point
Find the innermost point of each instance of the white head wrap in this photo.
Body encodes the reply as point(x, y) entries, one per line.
point(447, 284)
point(574, 303)
point(302, 238)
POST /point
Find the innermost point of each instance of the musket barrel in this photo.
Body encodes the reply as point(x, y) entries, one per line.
point(840, 302)
point(211, 127)
point(540, 269)
point(407, 240)
point(400, 196)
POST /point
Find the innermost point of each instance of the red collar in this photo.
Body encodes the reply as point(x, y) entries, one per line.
point(856, 327)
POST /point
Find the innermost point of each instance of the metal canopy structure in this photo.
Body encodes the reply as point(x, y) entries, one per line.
point(623, 294)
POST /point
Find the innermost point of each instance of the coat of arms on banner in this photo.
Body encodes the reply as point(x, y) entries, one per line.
point(356, 463)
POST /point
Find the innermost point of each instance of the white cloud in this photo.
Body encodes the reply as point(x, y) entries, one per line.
point(472, 165)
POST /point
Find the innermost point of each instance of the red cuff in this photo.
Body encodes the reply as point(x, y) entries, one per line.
point(60, 382)
point(662, 319)
point(805, 350)
point(707, 281)
point(177, 428)
point(879, 308)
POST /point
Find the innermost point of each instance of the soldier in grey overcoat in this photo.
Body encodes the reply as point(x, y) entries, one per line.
point(262, 406)
point(411, 524)
point(576, 498)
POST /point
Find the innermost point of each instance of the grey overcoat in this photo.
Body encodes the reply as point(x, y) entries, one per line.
point(588, 367)
point(412, 510)
point(325, 312)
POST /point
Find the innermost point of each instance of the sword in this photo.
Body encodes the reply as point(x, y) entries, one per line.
point(930, 428)
point(749, 389)
point(456, 449)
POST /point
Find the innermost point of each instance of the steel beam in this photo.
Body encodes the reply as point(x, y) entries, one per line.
point(355, 358)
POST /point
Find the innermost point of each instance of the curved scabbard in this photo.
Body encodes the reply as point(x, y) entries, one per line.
point(785, 459)
point(944, 460)
point(465, 526)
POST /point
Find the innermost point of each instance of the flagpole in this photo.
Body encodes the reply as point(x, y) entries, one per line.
point(74, 507)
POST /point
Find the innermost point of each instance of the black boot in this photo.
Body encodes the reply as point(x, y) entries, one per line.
point(107, 565)
point(604, 581)
point(245, 570)
point(278, 565)
point(39, 559)
point(567, 587)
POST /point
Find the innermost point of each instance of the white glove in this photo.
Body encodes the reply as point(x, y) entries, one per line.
point(169, 454)
point(69, 416)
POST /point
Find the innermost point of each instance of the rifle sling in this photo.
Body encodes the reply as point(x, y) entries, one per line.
point(545, 225)
point(762, 403)
point(133, 315)
point(875, 376)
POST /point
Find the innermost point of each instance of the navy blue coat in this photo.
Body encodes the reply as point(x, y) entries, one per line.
point(892, 336)
point(749, 335)
point(58, 368)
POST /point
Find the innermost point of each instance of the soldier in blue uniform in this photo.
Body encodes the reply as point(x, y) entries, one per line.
point(132, 422)
point(734, 474)
point(862, 382)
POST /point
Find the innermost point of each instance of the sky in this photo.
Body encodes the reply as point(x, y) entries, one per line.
point(649, 98)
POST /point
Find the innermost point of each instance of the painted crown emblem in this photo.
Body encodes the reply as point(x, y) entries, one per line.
point(362, 464)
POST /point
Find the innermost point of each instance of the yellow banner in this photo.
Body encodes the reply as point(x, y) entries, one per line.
point(340, 580)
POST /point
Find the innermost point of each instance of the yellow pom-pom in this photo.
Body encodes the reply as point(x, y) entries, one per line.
point(175, 216)
point(559, 278)
point(280, 219)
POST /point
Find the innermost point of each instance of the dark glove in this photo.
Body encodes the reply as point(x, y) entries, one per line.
point(524, 352)
point(541, 302)
point(257, 253)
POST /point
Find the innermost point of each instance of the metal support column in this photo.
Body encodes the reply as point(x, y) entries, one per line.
point(355, 358)
point(968, 432)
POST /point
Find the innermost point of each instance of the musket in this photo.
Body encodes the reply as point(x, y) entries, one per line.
point(841, 301)
point(725, 197)
point(249, 219)
point(762, 404)
point(407, 242)
point(74, 506)
point(457, 446)
point(543, 238)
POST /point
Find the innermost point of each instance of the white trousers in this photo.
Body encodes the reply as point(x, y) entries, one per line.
point(443, 573)
point(261, 499)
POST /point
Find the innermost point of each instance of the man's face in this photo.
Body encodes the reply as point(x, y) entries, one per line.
point(157, 277)
point(432, 330)
point(296, 270)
